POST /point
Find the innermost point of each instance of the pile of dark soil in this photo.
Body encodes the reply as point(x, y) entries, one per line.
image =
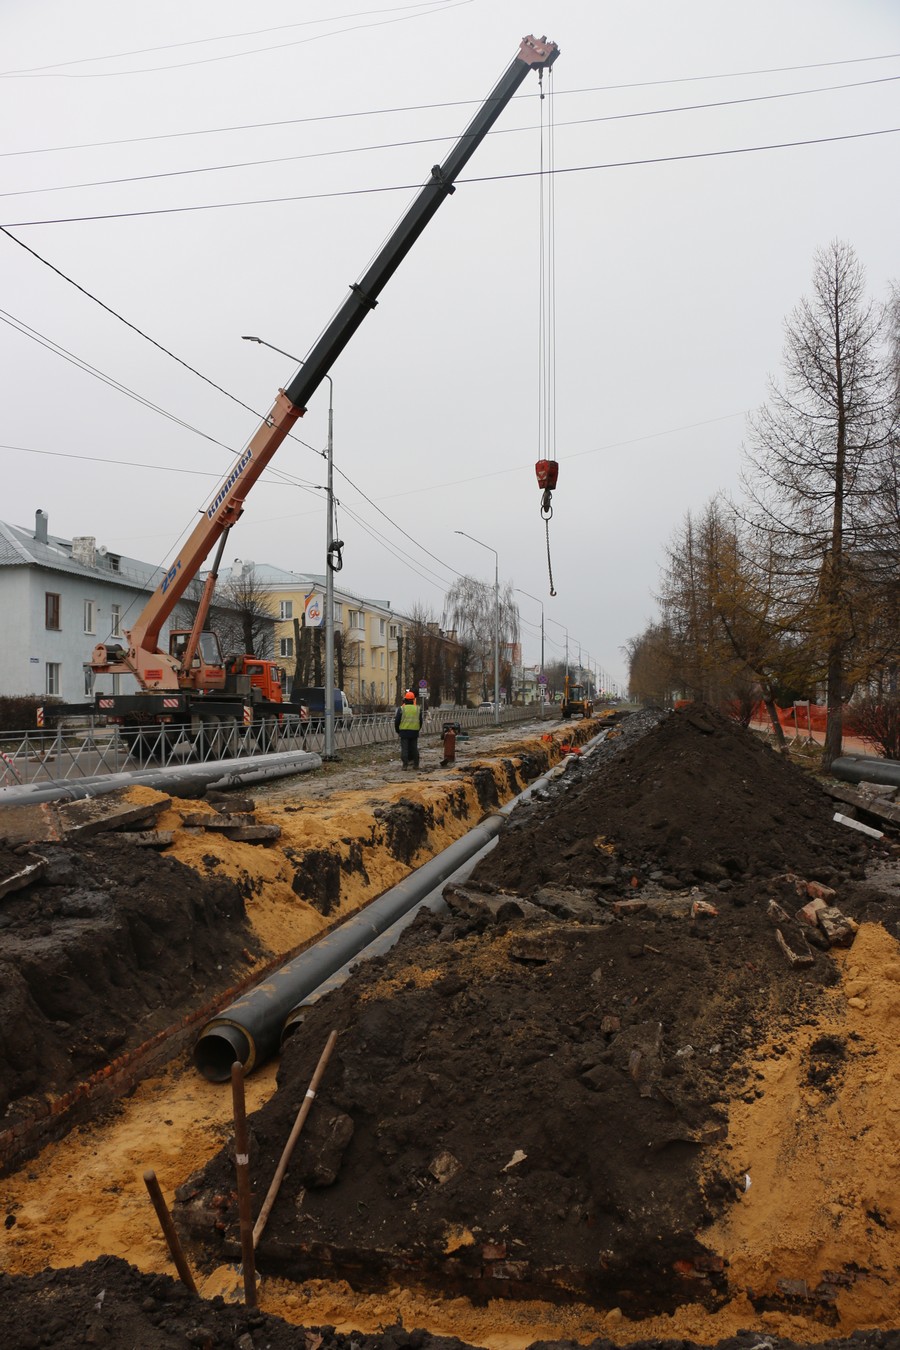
point(521, 1093)
point(112, 945)
point(110, 1303)
point(698, 801)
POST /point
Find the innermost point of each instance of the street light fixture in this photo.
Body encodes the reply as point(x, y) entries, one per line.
point(496, 620)
point(332, 546)
point(543, 680)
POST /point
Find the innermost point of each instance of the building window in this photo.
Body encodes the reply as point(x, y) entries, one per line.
point(90, 622)
point(395, 631)
point(114, 562)
point(382, 662)
point(88, 681)
point(361, 658)
point(285, 646)
point(51, 611)
point(338, 612)
point(381, 627)
point(382, 690)
point(286, 611)
point(358, 619)
point(52, 685)
point(115, 621)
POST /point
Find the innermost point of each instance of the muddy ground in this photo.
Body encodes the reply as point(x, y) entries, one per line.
point(564, 1085)
point(530, 1096)
point(113, 945)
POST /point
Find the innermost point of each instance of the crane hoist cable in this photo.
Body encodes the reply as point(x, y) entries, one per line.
point(546, 468)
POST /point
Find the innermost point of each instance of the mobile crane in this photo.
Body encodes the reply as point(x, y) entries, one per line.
point(191, 681)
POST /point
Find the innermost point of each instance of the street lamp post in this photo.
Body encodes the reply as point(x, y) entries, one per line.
point(543, 681)
point(566, 631)
point(496, 620)
point(331, 545)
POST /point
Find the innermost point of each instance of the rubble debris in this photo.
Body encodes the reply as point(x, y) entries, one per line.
point(96, 815)
point(147, 838)
point(857, 825)
point(32, 871)
point(796, 960)
point(837, 927)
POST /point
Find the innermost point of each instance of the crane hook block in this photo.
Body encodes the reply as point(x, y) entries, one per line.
point(547, 471)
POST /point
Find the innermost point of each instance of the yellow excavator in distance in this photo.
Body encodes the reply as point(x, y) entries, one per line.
point(575, 702)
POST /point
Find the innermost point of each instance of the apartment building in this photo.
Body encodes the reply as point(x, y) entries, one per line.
point(59, 598)
point(369, 634)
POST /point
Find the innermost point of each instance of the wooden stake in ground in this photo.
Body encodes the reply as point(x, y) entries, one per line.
point(242, 1168)
point(293, 1137)
point(168, 1227)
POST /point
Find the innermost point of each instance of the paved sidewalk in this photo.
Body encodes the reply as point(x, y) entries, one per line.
point(851, 745)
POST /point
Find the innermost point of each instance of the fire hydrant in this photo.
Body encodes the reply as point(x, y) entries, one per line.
point(449, 744)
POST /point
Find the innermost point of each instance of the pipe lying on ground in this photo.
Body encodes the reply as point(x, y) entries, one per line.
point(866, 769)
point(434, 901)
point(250, 1029)
point(183, 780)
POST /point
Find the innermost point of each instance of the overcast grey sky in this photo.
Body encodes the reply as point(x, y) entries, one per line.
point(674, 275)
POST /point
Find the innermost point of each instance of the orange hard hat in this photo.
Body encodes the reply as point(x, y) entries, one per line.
point(409, 697)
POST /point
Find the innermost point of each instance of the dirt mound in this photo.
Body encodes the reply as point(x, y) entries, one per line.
point(524, 1095)
point(112, 945)
point(109, 1302)
point(700, 800)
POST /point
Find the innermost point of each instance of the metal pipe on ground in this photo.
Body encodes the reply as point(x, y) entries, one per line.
point(866, 769)
point(250, 1030)
point(183, 780)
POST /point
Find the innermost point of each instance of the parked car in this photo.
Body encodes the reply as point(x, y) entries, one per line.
point(486, 707)
point(313, 698)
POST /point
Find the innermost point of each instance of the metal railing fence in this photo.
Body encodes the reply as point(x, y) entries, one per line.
point(72, 752)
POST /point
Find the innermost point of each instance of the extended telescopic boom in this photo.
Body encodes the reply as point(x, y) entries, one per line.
point(158, 670)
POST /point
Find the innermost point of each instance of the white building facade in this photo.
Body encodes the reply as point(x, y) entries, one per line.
point(58, 599)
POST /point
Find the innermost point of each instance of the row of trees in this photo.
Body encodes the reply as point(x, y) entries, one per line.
point(795, 589)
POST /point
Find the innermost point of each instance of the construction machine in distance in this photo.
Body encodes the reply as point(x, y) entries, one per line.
point(575, 701)
point(191, 682)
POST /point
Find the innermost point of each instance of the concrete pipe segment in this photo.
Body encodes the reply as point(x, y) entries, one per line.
point(250, 1030)
point(183, 780)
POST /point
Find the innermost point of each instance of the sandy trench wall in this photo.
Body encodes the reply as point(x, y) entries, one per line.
point(335, 854)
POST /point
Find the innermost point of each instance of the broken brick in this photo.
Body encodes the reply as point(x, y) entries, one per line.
point(810, 913)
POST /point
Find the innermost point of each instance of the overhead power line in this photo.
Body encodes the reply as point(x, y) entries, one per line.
point(59, 74)
point(485, 178)
point(222, 37)
point(425, 107)
point(432, 140)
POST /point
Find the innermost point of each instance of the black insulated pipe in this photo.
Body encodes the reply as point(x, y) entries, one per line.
point(251, 1028)
point(866, 769)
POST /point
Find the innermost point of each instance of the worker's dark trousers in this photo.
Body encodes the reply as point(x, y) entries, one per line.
point(409, 749)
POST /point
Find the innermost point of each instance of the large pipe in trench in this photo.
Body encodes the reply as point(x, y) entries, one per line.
point(183, 780)
point(250, 1029)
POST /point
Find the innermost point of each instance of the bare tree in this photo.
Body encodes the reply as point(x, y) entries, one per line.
point(815, 451)
point(245, 619)
point(470, 610)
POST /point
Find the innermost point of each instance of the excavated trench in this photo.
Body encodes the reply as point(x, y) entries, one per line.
point(115, 952)
point(602, 1080)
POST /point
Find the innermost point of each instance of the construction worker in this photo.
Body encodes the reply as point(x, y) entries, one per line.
point(408, 723)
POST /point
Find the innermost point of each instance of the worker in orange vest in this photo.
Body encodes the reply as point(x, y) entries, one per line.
point(408, 724)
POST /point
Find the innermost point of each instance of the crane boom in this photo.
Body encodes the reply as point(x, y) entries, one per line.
point(157, 670)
